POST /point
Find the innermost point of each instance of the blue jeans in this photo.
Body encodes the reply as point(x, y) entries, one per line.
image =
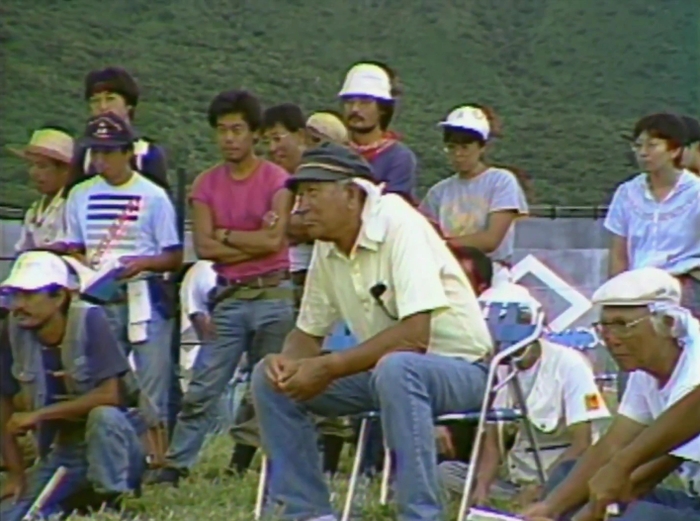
point(409, 390)
point(175, 391)
point(659, 504)
point(257, 327)
point(153, 358)
point(110, 460)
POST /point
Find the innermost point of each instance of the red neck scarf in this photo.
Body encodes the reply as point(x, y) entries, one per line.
point(371, 151)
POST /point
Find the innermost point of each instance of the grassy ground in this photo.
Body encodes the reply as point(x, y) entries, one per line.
point(210, 495)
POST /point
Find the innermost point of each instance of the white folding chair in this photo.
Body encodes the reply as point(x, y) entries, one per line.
point(510, 336)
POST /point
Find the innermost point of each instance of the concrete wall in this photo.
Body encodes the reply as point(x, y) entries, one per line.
point(562, 260)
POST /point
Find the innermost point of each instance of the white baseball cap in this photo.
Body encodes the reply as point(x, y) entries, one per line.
point(468, 118)
point(639, 287)
point(35, 270)
point(367, 79)
point(509, 293)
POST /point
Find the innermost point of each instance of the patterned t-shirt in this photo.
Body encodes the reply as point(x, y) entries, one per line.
point(133, 219)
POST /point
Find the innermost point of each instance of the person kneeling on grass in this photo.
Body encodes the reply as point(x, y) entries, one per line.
point(379, 266)
point(564, 407)
point(60, 356)
point(657, 428)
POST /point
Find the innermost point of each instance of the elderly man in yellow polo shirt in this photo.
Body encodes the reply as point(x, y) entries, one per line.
point(379, 266)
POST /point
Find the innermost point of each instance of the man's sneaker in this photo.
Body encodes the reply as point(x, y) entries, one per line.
point(165, 476)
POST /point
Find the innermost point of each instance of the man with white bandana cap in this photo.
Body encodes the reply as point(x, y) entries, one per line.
point(381, 267)
point(657, 428)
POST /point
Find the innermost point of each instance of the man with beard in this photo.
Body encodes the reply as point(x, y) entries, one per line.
point(240, 212)
point(369, 96)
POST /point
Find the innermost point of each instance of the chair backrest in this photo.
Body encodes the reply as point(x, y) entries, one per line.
point(507, 330)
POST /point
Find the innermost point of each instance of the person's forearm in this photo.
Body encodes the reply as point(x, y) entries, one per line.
point(9, 448)
point(259, 242)
point(616, 265)
point(573, 492)
point(299, 345)
point(165, 262)
point(572, 453)
point(408, 335)
point(649, 475)
point(672, 429)
point(11, 454)
point(482, 241)
point(213, 250)
point(78, 408)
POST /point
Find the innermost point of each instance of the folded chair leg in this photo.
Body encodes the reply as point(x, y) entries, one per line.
point(262, 486)
point(356, 466)
point(476, 446)
point(529, 430)
point(386, 476)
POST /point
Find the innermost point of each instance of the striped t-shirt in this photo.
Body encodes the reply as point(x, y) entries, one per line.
point(108, 222)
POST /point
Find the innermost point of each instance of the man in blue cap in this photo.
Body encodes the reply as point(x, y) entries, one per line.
point(122, 220)
point(381, 267)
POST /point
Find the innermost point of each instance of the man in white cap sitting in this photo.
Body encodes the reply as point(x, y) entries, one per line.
point(657, 428)
point(60, 355)
point(564, 407)
point(49, 154)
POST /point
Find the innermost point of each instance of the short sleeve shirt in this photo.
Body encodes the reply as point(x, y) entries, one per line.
point(462, 206)
point(398, 249)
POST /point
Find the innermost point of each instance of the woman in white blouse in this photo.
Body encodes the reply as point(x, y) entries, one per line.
point(49, 153)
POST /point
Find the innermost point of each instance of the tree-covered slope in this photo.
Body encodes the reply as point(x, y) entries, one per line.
point(566, 76)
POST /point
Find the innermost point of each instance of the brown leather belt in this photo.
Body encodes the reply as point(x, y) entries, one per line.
point(266, 280)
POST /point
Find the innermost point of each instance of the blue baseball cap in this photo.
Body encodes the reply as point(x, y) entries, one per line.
point(108, 131)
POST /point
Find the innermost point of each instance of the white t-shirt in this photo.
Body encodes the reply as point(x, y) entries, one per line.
point(199, 280)
point(560, 391)
point(300, 257)
point(136, 218)
point(644, 402)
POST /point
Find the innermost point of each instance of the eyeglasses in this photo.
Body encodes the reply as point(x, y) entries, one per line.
point(618, 328)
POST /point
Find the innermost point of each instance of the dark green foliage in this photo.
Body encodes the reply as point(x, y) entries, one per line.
point(566, 76)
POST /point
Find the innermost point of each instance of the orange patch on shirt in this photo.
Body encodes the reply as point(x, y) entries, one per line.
point(593, 402)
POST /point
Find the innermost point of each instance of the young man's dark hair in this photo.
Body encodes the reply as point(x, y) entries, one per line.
point(113, 79)
point(692, 126)
point(289, 115)
point(236, 102)
point(666, 126)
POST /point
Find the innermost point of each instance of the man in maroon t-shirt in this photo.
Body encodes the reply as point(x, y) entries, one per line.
point(240, 211)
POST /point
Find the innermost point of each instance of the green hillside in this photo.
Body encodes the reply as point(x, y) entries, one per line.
point(566, 76)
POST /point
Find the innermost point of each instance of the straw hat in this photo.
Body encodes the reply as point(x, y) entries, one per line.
point(328, 126)
point(48, 142)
